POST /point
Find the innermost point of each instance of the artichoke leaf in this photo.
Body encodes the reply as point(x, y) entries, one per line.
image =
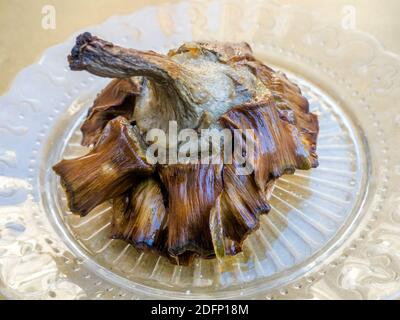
point(107, 171)
point(116, 99)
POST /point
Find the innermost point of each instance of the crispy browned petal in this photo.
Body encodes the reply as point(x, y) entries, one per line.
point(288, 93)
point(192, 190)
point(237, 211)
point(107, 171)
point(223, 246)
point(138, 217)
point(117, 99)
point(226, 51)
point(292, 106)
point(281, 87)
point(279, 147)
point(161, 247)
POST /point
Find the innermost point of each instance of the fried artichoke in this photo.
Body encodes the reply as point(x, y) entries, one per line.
point(185, 210)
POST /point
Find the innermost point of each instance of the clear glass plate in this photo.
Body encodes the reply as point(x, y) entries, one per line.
point(333, 232)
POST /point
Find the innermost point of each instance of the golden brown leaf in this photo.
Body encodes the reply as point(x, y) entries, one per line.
point(117, 99)
point(107, 171)
point(279, 148)
point(192, 190)
point(138, 216)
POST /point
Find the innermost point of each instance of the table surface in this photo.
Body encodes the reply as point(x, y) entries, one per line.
point(23, 40)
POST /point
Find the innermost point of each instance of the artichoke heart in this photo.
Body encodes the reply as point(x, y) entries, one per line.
point(185, 210)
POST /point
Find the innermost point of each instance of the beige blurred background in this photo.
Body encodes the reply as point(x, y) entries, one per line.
point(23, 40)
